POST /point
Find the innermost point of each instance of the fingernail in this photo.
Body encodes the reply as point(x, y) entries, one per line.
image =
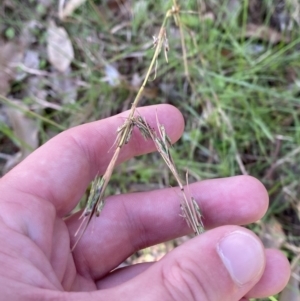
point(242, 255)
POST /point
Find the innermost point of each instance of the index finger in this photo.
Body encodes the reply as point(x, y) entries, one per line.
point(60, 170)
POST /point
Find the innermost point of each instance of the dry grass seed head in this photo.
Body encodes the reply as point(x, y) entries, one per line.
point(94, 195)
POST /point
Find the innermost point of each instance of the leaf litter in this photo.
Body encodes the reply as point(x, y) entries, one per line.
point(11, 54)
point(59, 47)
point(66, 9)
point(25, 132)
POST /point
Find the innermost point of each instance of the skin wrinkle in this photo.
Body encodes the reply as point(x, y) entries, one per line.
point(225, 284)
point(87, 269)
point(120, 275)
point(139, 241)
point(27, 253)
point(87, 157)
point(38, 276)
point(40, 235)
point(94, 157)
point(76, 169)
point(104, 147)
point(81, 261)
point(206, 284)
point(177, 286)
point(28, 216)
point(83, 284)
point(20, 227)
point(61, 239)
point(130, 248)
point(39, 294)
point(131, 224)
point(141, 228)
point(69, 275)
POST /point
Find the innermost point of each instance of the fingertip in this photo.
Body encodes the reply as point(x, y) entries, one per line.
point(237, 200)
point(276, 275)
point(255, 198)
point(255, 188)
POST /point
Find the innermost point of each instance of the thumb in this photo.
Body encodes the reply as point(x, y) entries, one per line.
point(221, 264)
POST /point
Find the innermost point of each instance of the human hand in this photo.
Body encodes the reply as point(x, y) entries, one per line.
point(227, 262)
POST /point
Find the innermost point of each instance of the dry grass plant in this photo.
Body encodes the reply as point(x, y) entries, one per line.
point(189, 208)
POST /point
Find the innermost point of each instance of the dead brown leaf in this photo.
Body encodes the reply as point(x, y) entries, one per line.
point(59, 47)
point(295, 10)
point(291, 291)
point(265, 33)
point(271, 234)
point(26, 131)
point(68, 9)
point(9, 3)
point(64, 86)
point(46, 3)
point(11, 54)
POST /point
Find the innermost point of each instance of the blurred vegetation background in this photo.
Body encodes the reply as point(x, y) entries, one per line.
point(236, 81)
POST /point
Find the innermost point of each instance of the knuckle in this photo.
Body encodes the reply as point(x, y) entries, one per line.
point(182, 283)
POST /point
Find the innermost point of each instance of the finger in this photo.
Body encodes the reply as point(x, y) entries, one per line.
point(275, 277)
point(134, 221)
point(271, 282)
point(60, 170)
point(222, 264)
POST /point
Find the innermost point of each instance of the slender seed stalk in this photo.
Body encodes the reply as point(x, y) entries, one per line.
point(184, 53)
point(189, 208)
point(124, 134)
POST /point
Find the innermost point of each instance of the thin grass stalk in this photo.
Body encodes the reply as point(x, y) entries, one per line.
point(122, 138)
point(183, 47)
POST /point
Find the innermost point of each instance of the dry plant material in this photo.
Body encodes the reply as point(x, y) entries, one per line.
point(11, 54)
point(178, 22)
point(158, 42)
point(59, 47)
point(292, 292)
point(25, 130)
point(96, 201)
point(189, 207)
point(272, 234)
point(265, 33)
point(67, 10)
